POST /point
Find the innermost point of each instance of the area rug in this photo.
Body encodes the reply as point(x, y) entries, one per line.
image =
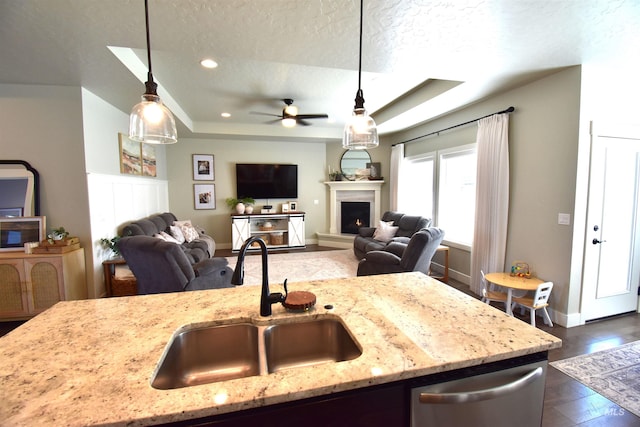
point(299, 267)
point(614, 373)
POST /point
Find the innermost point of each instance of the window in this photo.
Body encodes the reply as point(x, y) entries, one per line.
point(442, 186)
point(457, 193)
point(416, 197)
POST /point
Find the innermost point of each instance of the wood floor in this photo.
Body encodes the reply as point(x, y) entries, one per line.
point(567, 402)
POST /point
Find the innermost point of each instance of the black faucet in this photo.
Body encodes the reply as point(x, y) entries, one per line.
point(266, 298)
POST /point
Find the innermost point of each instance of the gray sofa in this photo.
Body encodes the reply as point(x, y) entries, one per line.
point(161, 266)
point(407, 225)
point(197, 250)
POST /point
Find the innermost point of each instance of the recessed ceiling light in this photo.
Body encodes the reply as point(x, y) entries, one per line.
point(226, 115)
point(208, 63)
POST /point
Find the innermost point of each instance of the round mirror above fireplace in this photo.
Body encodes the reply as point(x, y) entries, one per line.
point(352, 160)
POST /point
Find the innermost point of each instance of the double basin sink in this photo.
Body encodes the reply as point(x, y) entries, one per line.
point(208, 354)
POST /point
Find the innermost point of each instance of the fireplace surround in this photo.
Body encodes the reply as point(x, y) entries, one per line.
point(353, 191)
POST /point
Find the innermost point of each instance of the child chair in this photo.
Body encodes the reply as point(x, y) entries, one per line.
point(540, 301)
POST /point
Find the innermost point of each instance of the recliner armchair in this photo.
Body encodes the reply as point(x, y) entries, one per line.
point(161, 266)
point(399, 257)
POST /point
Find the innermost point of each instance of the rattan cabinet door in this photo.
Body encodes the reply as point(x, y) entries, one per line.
point(13, 292)
point(46, 282)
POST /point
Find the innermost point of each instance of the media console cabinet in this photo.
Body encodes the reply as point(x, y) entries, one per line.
point(31, 283)
point(279, 231)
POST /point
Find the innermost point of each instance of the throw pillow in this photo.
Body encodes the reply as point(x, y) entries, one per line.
point(169, 238)
point(385, 231)
point(176, 233)
point(188, 230)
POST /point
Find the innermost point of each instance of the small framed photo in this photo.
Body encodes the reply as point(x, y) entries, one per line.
point(293, 206)
point(203, 167)
point(285, 207)
point(374, 169)
point(204, 196)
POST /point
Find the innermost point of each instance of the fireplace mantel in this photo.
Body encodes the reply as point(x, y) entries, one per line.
point(337, 188)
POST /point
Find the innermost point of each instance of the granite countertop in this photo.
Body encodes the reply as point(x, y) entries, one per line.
point(90, 362)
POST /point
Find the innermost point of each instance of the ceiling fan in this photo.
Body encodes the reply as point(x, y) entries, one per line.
point(290, 116)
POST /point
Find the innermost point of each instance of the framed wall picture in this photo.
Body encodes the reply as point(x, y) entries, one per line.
point(293, 206)
point(374, 169)
point(130, 155)
point(149, 160)
point(204, 196)
point(203, 167)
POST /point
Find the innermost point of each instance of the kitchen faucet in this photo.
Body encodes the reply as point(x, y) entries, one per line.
point(266, 298)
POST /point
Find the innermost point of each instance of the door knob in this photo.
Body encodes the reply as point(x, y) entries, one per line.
point(596, 241)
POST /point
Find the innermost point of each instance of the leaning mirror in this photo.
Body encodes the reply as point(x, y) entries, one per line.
point(352, 161)
point(19, 189)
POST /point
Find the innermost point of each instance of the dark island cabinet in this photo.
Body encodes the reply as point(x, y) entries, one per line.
point(377, 406)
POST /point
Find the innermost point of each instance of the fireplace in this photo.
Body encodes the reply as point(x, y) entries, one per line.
point(354, 215)
point(352, 191)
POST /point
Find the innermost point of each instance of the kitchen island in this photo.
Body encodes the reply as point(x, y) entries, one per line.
point(91, 362)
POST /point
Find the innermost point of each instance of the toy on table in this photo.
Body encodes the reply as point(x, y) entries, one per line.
point(520, 269)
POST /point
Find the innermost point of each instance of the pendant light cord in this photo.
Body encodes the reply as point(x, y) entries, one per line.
point(146, 19)
point(150, 85)
point(360, 54)
point(359, 95)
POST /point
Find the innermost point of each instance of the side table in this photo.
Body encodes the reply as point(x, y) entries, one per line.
point(118, 279)
point(445, 274)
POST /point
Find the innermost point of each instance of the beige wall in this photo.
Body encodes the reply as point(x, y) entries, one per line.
point(543, 149)
point(310, 158)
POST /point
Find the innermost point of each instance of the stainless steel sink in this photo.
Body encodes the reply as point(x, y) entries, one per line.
point(290, 345)
point(209, 354)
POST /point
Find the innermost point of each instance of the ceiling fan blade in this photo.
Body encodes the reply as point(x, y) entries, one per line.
point(302, 122)
point(312, 116)
point(258, 113)
point(270, 122)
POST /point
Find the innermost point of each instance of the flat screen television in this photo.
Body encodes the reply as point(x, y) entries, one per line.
point(266, 181)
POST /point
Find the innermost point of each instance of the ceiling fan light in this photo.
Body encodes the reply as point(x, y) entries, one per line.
point(288, 122)
point(360, 131)
point(291, 110)
point(152, 122)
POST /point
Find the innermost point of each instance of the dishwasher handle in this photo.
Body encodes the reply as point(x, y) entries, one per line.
point(486, 394)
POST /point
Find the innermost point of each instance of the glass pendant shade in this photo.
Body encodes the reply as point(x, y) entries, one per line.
point(151, 122)
point(360, 131)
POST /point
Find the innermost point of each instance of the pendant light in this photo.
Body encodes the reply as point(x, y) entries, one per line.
point(151, 121)
point(360, 132)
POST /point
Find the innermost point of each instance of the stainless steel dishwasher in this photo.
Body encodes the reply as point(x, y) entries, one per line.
point(505, 397)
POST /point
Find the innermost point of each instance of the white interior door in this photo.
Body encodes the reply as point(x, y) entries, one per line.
point(611, 272)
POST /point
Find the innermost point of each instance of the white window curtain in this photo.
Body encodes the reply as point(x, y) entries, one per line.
point(492, 198)
point(397, 157)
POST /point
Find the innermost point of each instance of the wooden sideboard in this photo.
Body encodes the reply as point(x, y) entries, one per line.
point(31, 283)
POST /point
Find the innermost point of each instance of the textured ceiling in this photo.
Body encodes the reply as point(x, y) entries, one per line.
point(308, 51)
